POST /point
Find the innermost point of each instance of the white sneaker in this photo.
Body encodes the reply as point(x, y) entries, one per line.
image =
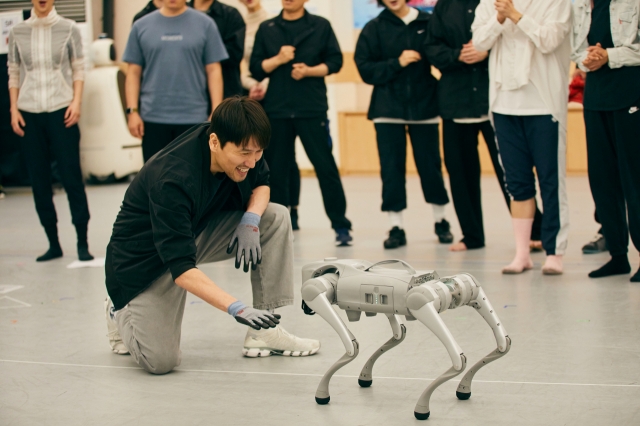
point(117, 345)
point(277, 341)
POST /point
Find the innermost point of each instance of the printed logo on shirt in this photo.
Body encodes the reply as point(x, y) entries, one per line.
point(171, 37)
point(633, 109)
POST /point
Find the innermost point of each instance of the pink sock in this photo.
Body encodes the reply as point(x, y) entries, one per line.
point(522, 260)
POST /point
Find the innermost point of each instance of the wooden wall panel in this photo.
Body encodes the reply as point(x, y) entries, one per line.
point(359, 153)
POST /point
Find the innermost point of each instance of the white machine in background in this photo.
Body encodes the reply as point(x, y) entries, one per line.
point(108, 152)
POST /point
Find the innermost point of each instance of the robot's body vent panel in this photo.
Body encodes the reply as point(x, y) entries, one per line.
point(376, 298)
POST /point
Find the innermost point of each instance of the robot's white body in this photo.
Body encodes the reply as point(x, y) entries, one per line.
point(107, 149)
point(395, 289)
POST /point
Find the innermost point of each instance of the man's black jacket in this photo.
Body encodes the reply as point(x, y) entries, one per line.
point(463, 90)
point(232, 31)
point(317, 44)
point(171, 198)
point(407, 93)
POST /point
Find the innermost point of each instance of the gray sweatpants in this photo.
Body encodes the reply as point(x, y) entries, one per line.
point(150, 325)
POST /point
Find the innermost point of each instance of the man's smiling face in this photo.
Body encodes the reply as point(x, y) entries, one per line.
point(233, 160)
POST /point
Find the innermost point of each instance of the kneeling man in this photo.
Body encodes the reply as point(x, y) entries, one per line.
point(194, 202)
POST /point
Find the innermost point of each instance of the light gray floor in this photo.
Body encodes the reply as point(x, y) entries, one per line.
point(575, 357)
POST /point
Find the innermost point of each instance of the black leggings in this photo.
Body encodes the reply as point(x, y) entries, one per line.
point(392, 147)
point(46, 139)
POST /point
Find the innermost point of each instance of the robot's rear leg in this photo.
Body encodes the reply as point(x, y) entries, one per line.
point(399, 333)
point(464, 388)
point(484, 308)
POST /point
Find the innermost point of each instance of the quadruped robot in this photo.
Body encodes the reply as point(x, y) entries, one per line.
point(394, 288)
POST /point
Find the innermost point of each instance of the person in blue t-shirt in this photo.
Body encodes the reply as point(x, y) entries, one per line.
point(174, 74)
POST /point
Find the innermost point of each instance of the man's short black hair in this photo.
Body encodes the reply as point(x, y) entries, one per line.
point(238, 120)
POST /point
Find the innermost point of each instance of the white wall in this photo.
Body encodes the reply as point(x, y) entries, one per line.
point(124, 11)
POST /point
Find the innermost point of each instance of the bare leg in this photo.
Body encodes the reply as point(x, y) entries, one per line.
point(522, 213)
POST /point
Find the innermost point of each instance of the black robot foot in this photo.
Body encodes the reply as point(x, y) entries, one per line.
point(323, 401)
point(422, 416)
point(364, 383)
point(463, 396)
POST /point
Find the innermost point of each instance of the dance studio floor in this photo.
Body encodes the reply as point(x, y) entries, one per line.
point(575, 358)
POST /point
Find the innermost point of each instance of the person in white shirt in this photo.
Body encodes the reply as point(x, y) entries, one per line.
point(528, 91)
point(256, 15)
point(46, 77)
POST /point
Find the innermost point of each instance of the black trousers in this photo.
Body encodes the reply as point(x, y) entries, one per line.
point(294, 184)
point(463, 165)
point(157, 136)
point(392, 147)
point(613, 151)
point(46, 139)
point(313, 133)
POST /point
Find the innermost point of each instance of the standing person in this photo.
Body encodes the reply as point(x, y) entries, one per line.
point(606, 44)
point(256, 15)
point(46, 78)
point(463, 100)
point(296, 50)
point(152, 6)
point(528, 92)
point(198, 201)
point(232, 30)
point(257, 89)
point(176, 53)
point(389, 55)
point(598, 243)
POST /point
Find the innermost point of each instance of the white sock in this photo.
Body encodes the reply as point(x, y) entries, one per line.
point(438, 213)
point(396, 219)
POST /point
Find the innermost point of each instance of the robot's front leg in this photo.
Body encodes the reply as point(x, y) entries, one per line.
point(484, 308)
point(420, 301)
point(317, 293)
point(399, 333)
